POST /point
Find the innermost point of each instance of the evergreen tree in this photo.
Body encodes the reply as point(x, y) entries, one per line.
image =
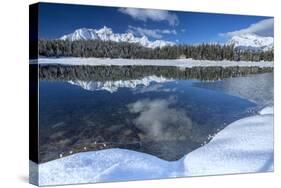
point(110, 49)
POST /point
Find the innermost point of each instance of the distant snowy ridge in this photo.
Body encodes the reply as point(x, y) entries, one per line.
point(106, 34)
point(113, 86)
point(245, 41)
point(245, 145)
point(252, 42)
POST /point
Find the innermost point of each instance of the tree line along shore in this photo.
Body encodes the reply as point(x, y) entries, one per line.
point(110, 49)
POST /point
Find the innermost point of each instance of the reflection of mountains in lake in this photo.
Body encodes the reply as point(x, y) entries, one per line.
point(113, 73)
point(113, 86)
point(166, 115)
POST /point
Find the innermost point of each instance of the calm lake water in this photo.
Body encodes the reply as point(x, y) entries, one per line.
point(165, 117)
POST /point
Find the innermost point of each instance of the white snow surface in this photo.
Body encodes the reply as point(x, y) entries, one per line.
point(252, 41)
point(106, 34)
point(245, 145)
point(153, 62)
point(242, 147)
point(266, 110)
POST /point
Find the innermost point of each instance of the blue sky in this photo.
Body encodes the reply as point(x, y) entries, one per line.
point(56, 20)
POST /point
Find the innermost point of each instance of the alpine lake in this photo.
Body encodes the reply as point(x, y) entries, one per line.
point(164, 111)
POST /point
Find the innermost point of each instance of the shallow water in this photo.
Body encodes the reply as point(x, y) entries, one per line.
point(166, 117)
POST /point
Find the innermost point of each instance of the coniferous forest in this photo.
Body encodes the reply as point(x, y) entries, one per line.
point(110, 49)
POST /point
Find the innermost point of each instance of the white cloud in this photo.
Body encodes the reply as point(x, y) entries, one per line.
point(262, 28)
point(153, 88)
point(159, 121)
point(155, 33)
point(183, 30)
point(167, 31)
point(150, 14)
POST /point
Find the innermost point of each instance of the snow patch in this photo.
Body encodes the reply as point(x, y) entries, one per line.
point(182, 63)
point(266, 110)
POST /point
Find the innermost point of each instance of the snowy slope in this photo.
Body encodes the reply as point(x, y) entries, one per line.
point(244, 146)
point(252, 42)
point(113, 86)
point(106, 34)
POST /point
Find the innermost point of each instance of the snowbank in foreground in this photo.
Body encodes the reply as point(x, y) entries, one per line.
point(244, 146)
point(266, 110)
point(154, 62)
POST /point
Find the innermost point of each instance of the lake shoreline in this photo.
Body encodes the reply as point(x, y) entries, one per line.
point(198, 162)
point(134, 72)
point(184, 63)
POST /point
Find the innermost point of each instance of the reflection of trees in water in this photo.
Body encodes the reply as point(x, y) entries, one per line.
point(105, 73)
point(95, 130)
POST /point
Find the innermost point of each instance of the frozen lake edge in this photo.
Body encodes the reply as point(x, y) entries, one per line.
point(184, 63)
point(244, 146)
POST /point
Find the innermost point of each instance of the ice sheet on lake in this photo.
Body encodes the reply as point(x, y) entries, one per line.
point(154, 62)
point(244, 146)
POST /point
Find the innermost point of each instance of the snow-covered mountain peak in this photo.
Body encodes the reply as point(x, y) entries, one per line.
point(252, 41)
point(105, 30)
point(78, 34)
point(107, 34)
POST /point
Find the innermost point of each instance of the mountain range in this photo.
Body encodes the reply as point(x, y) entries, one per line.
point(106, 34)
point(244, 42)
point(252, 42)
